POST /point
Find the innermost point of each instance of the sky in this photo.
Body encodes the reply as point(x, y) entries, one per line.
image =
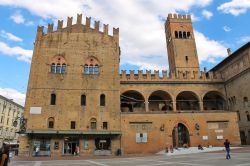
point(218, 25)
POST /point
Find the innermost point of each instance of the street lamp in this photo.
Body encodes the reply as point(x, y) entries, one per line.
point(23, 121)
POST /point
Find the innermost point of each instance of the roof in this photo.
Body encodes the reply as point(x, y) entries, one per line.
point(11, 101)
point(230, 57)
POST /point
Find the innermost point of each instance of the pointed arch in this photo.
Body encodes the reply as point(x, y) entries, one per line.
point(91, 65)
point(180, 135)
point(58, 64)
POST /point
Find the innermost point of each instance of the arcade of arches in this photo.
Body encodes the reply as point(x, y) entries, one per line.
point(134, 101)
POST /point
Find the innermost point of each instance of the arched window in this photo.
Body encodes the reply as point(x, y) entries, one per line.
point(53, 68)
point(51, 123)
point(93, 124)
point(180, 34)
point(176, 34)
point(58, 68)
point(102, 100)
point(184, 35)
point(63, 69)
point(96, 69)
point(91, 69)
point(83, 100)
point(91, 66)
point(53, 99)
point(58, 65)
point(188, 35)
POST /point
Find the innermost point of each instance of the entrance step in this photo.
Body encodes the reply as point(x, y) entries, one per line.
point(102, 152)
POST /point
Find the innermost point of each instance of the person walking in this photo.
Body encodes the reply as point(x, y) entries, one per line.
point(36, 151)
point(5, 156)
point(227, 147)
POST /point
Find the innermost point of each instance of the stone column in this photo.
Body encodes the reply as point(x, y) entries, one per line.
point(174, 106)
point(146, 105)
point(201, 105)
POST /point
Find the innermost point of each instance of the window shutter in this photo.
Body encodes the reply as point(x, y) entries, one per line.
point(137, 138)
point(145, 137)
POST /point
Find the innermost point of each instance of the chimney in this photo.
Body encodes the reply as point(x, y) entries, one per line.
point(229, 51)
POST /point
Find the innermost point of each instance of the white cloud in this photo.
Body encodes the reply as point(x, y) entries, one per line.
point(22, 54)
point(235, 7)
point(10, 36)
point(226, 28)
point(142, 34)
point(207, 14)
point(245, 39)
point(18, 18)
point(209, 50)
point(10, 93)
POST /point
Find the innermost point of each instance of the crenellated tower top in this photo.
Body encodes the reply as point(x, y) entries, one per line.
point(77, 28)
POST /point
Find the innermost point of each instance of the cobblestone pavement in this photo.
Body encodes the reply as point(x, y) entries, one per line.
point(240, 157)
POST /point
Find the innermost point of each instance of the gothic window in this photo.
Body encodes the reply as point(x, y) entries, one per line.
point(53, 68)
point(90, 69)
point(58, 65)
point(63, 68)
point(176, 34)
point(180, 34)
point(91, 66)
point(53, 99)
point(58, 68)
point(188, 35)
point(102, 100)
point(83, 100)
point(51, 123)
point(93, 124)
point(184, 35)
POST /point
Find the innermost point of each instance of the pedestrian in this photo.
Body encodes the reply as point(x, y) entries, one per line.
point(5, 156)
point(36, 151)
point(77, 150)
point(227, 147)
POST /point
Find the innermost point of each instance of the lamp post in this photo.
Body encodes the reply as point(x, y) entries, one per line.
point(23, 121)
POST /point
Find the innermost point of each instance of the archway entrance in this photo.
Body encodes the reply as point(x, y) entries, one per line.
point(180, 135)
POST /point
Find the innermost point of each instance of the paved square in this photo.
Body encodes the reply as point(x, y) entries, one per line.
point(240, 157)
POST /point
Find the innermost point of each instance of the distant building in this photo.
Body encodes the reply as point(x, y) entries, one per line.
point(77, 99)
point(9, 111)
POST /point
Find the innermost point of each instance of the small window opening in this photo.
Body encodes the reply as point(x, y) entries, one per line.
point(176, 34)
point(180, 34)
point(73, 125)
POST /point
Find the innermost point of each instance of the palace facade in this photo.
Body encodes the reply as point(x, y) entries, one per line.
point(78, 101)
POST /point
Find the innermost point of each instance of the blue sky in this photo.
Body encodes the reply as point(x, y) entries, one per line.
point(218, 25)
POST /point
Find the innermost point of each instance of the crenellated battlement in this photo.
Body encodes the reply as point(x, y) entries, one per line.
point(179, 16)
point(168, 76)
point(78, 27)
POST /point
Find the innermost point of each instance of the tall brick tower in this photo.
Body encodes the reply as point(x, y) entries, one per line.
point(182, 53)
point(73, 98)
